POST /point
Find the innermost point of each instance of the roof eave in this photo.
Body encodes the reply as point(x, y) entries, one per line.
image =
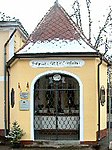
point(46, 55)
point(14, 24)
point(59, 54)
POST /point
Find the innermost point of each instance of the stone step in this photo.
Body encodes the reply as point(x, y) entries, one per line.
point(59, 144)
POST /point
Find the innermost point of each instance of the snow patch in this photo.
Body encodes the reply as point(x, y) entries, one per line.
point(55, 46)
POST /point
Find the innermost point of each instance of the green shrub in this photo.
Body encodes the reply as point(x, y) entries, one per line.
point(16, 133)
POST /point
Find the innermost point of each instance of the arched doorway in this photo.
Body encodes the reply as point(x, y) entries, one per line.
point(56, 107)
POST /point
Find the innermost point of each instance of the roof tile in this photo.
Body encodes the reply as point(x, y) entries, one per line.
point(56, 32)
point(55, 24)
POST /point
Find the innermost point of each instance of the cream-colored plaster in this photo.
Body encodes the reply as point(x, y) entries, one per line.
point(4, 36)
point(1, 106)
point(103, 109)
point(21, 73)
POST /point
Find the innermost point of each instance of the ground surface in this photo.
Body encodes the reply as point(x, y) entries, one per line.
point(103, 146)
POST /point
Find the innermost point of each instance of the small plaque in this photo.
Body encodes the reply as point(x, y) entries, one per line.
point(57, 77)
point(24, 95)
point(24, 105)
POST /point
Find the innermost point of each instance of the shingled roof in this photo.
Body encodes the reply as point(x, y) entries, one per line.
point(55, 24)
point(56, 32)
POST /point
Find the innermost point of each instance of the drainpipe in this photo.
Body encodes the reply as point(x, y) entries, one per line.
point(98, 76)
point(110, 97)
point(5, 73)
point(8, 99)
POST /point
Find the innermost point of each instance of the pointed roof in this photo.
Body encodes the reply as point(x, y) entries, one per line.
point(55, 24)
point(56, 32)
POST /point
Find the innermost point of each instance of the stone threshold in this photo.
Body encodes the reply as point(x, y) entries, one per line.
point(58, 144)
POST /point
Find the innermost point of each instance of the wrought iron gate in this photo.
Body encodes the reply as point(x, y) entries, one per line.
point(56, 112)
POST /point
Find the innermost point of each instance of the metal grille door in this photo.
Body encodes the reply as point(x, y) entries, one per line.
point(56, 108)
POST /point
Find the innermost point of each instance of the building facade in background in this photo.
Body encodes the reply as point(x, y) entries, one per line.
point(12, 37)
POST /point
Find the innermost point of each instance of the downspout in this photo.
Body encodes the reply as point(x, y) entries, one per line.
point(8, 92)
point(98, 76)
point(5, 73)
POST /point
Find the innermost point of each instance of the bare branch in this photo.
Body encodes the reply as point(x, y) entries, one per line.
point(103, 31)
point(77, 13)
point(88, 2)
point(107, 22)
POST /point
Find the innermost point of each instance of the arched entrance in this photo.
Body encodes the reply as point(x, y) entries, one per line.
point(56, 107)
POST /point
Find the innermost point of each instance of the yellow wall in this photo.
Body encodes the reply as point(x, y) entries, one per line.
point(4, 36)
point(19, 41)
point(103, 81)
point(21, 72)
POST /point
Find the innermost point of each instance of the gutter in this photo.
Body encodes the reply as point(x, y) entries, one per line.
point(98, 76)
point(5, 74)
point(48, 55)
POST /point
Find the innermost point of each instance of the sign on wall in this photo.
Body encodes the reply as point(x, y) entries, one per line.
point(24, 105)
point(24, 95)
point(56, 63)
